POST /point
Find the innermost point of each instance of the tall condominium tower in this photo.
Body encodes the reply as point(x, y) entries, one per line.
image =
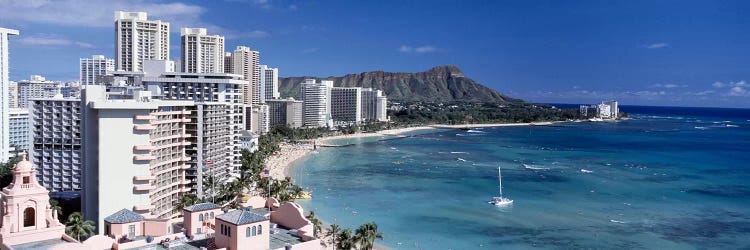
point(258, 118)
point(138, 39)
point(370, 109)
point(19, 129)
point(4, 95)
point(316, 108)
point(284, 112)
point(269, 83)
point(245, 63)
point(134, 154)
point(37, 87)
point(56, 143)
point(346, 105)
point(201, 53)
point(228, 63)
point(13, 94)
point(91, 68)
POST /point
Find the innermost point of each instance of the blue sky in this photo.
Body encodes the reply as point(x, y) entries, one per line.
point(678, 53)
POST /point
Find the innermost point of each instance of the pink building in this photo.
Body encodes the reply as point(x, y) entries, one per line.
point(27, 216)
point(199, 219)
point(128, 225)
point(242, 229)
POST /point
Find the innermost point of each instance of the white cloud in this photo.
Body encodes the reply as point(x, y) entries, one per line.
point(737, 91)
point(668, 86)
point(310, 50)
point(718, 84)
point(656, 45)
point(420, 49)
point(52, 40)
point(738, 88)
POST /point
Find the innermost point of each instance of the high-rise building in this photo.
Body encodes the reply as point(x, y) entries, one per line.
point(258, 118)
point(316, 108)
point(138, 39)
point(135, 155)
point(201, 53)
point(96, 66)
point(346, 105)
point(245, 63)
point(369, 104)
point(4, 94)
point(217, 117)
point(56, 143)
point(228, 63)
point(615, 110)
point(269, 83)
point(37, 87)
point(19, 129)
point(13, 94)
point(381, 108)
point(284, 112)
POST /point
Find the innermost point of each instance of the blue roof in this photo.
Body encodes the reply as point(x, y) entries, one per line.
point(123, 216)
point(201, 207)
point(241, 217)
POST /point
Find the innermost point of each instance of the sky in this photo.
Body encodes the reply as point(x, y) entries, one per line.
point(666, 53)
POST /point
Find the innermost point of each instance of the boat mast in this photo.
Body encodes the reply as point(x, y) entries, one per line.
point(500, 181)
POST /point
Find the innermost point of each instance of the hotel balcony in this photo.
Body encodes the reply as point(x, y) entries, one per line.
point(144, 157)
point(143, 187)
point(145, 117)
point(185, 167)
point(185, 158)
point(144, 147)
point(144, 178)
point(185, 189)
point(142, 207)
point(185, 182)
point(144, 127)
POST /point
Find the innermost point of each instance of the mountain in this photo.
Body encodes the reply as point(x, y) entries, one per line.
point(441, 83)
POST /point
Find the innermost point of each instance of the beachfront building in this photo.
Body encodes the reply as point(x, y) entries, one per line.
point(138, 39)
point(200, 219)
point(346, 105)
point(614, 109)
point(284, 112)
point(37, 87)
point(28, 221)
point(583, 111)
point(604, 111)
point(135, 154)
point(5, 94)
point(257, 120)
point(316, 108)
point(245, 62)
point(269, 83)
point(381, 109)
point(242, 229)
point(18, 129)
point(371, 111)
point(56, 143)
point(201, 53)
point(94, 67)
point(217, 117)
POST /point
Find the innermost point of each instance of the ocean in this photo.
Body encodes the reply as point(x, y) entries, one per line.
point(669, 178)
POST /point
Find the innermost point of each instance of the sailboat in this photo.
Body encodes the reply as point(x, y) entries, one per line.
point(500, 200)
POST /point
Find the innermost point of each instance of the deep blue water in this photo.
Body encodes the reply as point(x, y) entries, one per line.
point(670, 178)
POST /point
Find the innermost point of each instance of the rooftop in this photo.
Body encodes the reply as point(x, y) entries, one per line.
point(201, 207)
point(241, 217)
point(40, 245)
point(281, 236)
point(190, 245)
point(123, 216)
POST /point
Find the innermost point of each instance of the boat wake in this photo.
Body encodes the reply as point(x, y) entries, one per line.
point(586, 171)
point(461, 159)
point(475, 131)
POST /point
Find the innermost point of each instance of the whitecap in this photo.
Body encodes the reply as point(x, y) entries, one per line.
point(461, 159)
point(586, 171)
point(459, 152)
point(701, 128)
point(617, 221)
point(534, 167)
point(474, 131)
point(731, 126)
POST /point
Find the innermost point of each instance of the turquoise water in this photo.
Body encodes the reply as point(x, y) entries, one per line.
point(657, 181)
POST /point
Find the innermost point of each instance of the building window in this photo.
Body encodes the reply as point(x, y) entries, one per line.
point(29, 217)
point(200, 217)
point(198, 230)
point(260, 229)
point(254, 231)
point(247, 232)
point(212, 215)
point(26, 180)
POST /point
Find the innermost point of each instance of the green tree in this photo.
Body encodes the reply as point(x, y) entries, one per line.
point(345, 240)
point(366, 235)
point(317, 225)
point(333, 232)
point(55, 206)
point(78, 227)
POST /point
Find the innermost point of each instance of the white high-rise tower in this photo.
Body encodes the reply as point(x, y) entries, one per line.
point(97, 65)
point(138, 39)
point(201, 53)
point(4, 97)
point(269, 83)
point(246, 64)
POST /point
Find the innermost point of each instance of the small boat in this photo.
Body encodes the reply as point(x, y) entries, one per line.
point(500, 201)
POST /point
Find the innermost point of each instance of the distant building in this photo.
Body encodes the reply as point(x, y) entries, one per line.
point(316, 109)
point(94, 67)
point(614, 109)
point(201, 53)
point(4, 94)
point(370, 109)
point(346, 105)
point(584, 110)
point(269, 83)
point(56, 143)
point(258, 119)
point(19, 129)
point(604, 111)
point(138, 39)
point(13, 94)
point(37, 87)
point(381, 109)
point(228, 63)
point(245, 62)
point(284, 112)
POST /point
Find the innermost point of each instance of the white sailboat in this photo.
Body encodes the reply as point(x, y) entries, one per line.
point(500, 200)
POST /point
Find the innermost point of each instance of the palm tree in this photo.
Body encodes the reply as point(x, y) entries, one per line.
point(55, 206)
point(346, 240)
point(77, 226)
point(366, 235)
point(333, 232)
point(315, 222)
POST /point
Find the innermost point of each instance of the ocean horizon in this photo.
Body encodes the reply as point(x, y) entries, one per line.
point(668, 178)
